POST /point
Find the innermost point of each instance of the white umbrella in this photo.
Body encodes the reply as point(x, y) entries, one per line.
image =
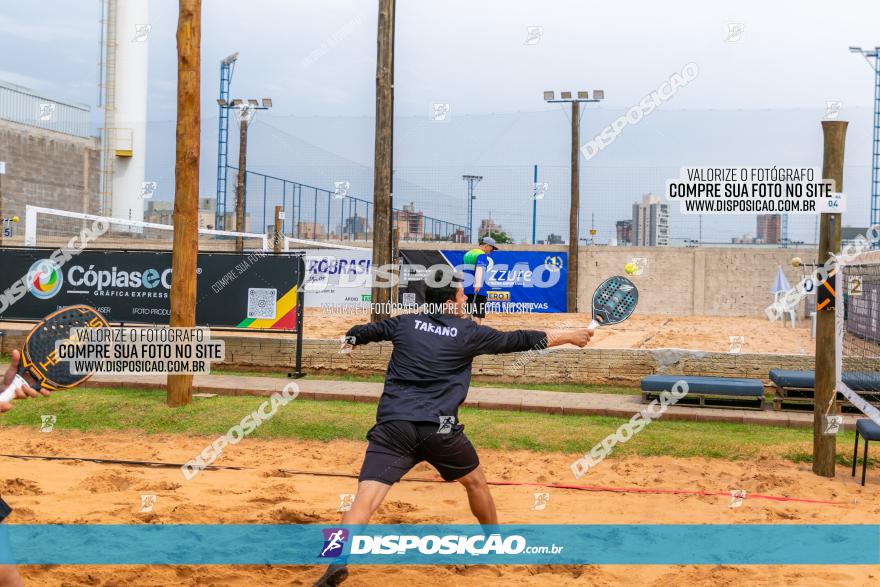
point(780, 284)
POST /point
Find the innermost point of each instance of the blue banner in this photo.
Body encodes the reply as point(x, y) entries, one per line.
point(604, 544)
point(522, 281)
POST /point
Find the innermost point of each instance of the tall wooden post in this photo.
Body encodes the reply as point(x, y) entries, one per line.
point(244, 118)
point(383, 163)
point(573, 213)
point(186, 185)
point(277, 237)
point(825, 446)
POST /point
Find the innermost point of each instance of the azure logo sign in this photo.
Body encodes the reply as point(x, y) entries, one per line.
point(45, 279)
point(553, 263)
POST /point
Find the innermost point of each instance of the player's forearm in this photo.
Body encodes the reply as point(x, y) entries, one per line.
point(561, 337)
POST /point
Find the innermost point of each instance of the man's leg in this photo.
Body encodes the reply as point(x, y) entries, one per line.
point(479, 496)
point(367, 500)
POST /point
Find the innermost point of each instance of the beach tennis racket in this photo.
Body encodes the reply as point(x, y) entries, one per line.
point(38, 359)
point(613, 302)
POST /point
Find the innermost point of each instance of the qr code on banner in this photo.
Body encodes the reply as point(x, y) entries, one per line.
point(261, 302)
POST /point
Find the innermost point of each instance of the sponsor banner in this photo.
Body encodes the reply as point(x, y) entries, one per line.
point(254, 290)
point(325, 268)
point(304, 544)
point(517, 281)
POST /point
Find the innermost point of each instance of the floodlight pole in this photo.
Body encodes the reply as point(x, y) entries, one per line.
point(471, 181)
point(872, 56)
point(227, 68)
point(574, 210)
point(535, 205)
point(241, 184)
point(824, 403)
point(246, 111)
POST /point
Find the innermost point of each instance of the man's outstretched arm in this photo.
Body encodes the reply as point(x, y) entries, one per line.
point(372, 332)
point(488, 341)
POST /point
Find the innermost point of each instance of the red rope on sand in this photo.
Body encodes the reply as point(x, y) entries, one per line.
point(424, 480)
point(663, 491)
point(596, 488)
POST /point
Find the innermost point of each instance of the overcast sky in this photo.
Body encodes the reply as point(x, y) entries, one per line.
point(469, 53)
point(316, 60)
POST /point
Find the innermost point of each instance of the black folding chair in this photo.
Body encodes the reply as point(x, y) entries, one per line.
point(869, 430)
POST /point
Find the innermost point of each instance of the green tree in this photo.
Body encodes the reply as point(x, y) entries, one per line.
point(500, 237)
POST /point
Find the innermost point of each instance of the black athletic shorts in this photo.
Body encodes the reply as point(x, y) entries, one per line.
point(398, 446)
point(477, 305)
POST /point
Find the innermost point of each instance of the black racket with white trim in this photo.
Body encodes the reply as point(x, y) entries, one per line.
point(613, 302)
point(38, 359)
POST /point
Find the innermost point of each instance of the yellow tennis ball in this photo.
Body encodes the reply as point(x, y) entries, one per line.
point(16, 219)
point(796, 262)
point(630, 268)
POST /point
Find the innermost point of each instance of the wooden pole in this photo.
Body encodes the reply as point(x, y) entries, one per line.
point(572, 283)
point(242, 177)
point(186, 185)
point(825, 446)
point(277, 236)
point(382, 166)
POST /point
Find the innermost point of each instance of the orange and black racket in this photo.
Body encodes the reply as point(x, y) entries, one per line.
point(38, 358)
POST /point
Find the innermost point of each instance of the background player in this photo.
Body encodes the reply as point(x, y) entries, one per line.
point(476, 265)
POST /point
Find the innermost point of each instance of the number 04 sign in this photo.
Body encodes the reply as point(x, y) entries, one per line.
point(833, 205)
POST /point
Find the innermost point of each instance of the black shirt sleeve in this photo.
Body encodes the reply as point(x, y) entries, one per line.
point(374, 331)
point(488, 341)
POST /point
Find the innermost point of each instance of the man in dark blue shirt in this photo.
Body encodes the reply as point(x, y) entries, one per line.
point(427, 380)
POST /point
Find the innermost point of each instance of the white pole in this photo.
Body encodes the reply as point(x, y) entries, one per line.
point(132, 61)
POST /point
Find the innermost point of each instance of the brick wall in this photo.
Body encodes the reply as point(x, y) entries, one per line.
point(600, 366)
point(608, 366)
point(46, 168)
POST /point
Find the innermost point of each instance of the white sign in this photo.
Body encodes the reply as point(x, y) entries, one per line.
point(2, 167)
point(337, 277)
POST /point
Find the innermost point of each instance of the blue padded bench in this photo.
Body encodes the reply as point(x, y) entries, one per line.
point(708, 392)
point(805, 380)
point(869, 430)
point(795, 389)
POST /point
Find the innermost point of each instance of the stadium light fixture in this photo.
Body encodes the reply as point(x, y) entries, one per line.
point(237, 102)
point(855, 49)
point(579, 96)
point(267, 102)
point(222, 102)
point(231, 59)
point(583, 97)
point(253, 102)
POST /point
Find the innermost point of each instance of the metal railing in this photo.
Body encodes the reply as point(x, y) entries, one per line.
point(25, 106)
point(315, 213)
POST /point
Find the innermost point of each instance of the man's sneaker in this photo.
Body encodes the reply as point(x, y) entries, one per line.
point(335, 575)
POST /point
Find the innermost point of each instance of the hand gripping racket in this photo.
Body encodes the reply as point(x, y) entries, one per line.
point(613, 302)
point(38, 357)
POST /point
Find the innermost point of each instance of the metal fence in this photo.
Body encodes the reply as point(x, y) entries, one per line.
point(24, 106)
point(316, 213)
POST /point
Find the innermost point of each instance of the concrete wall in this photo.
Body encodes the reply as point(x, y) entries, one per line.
point(46, 168)
point(693, 281)
point(596, 366)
